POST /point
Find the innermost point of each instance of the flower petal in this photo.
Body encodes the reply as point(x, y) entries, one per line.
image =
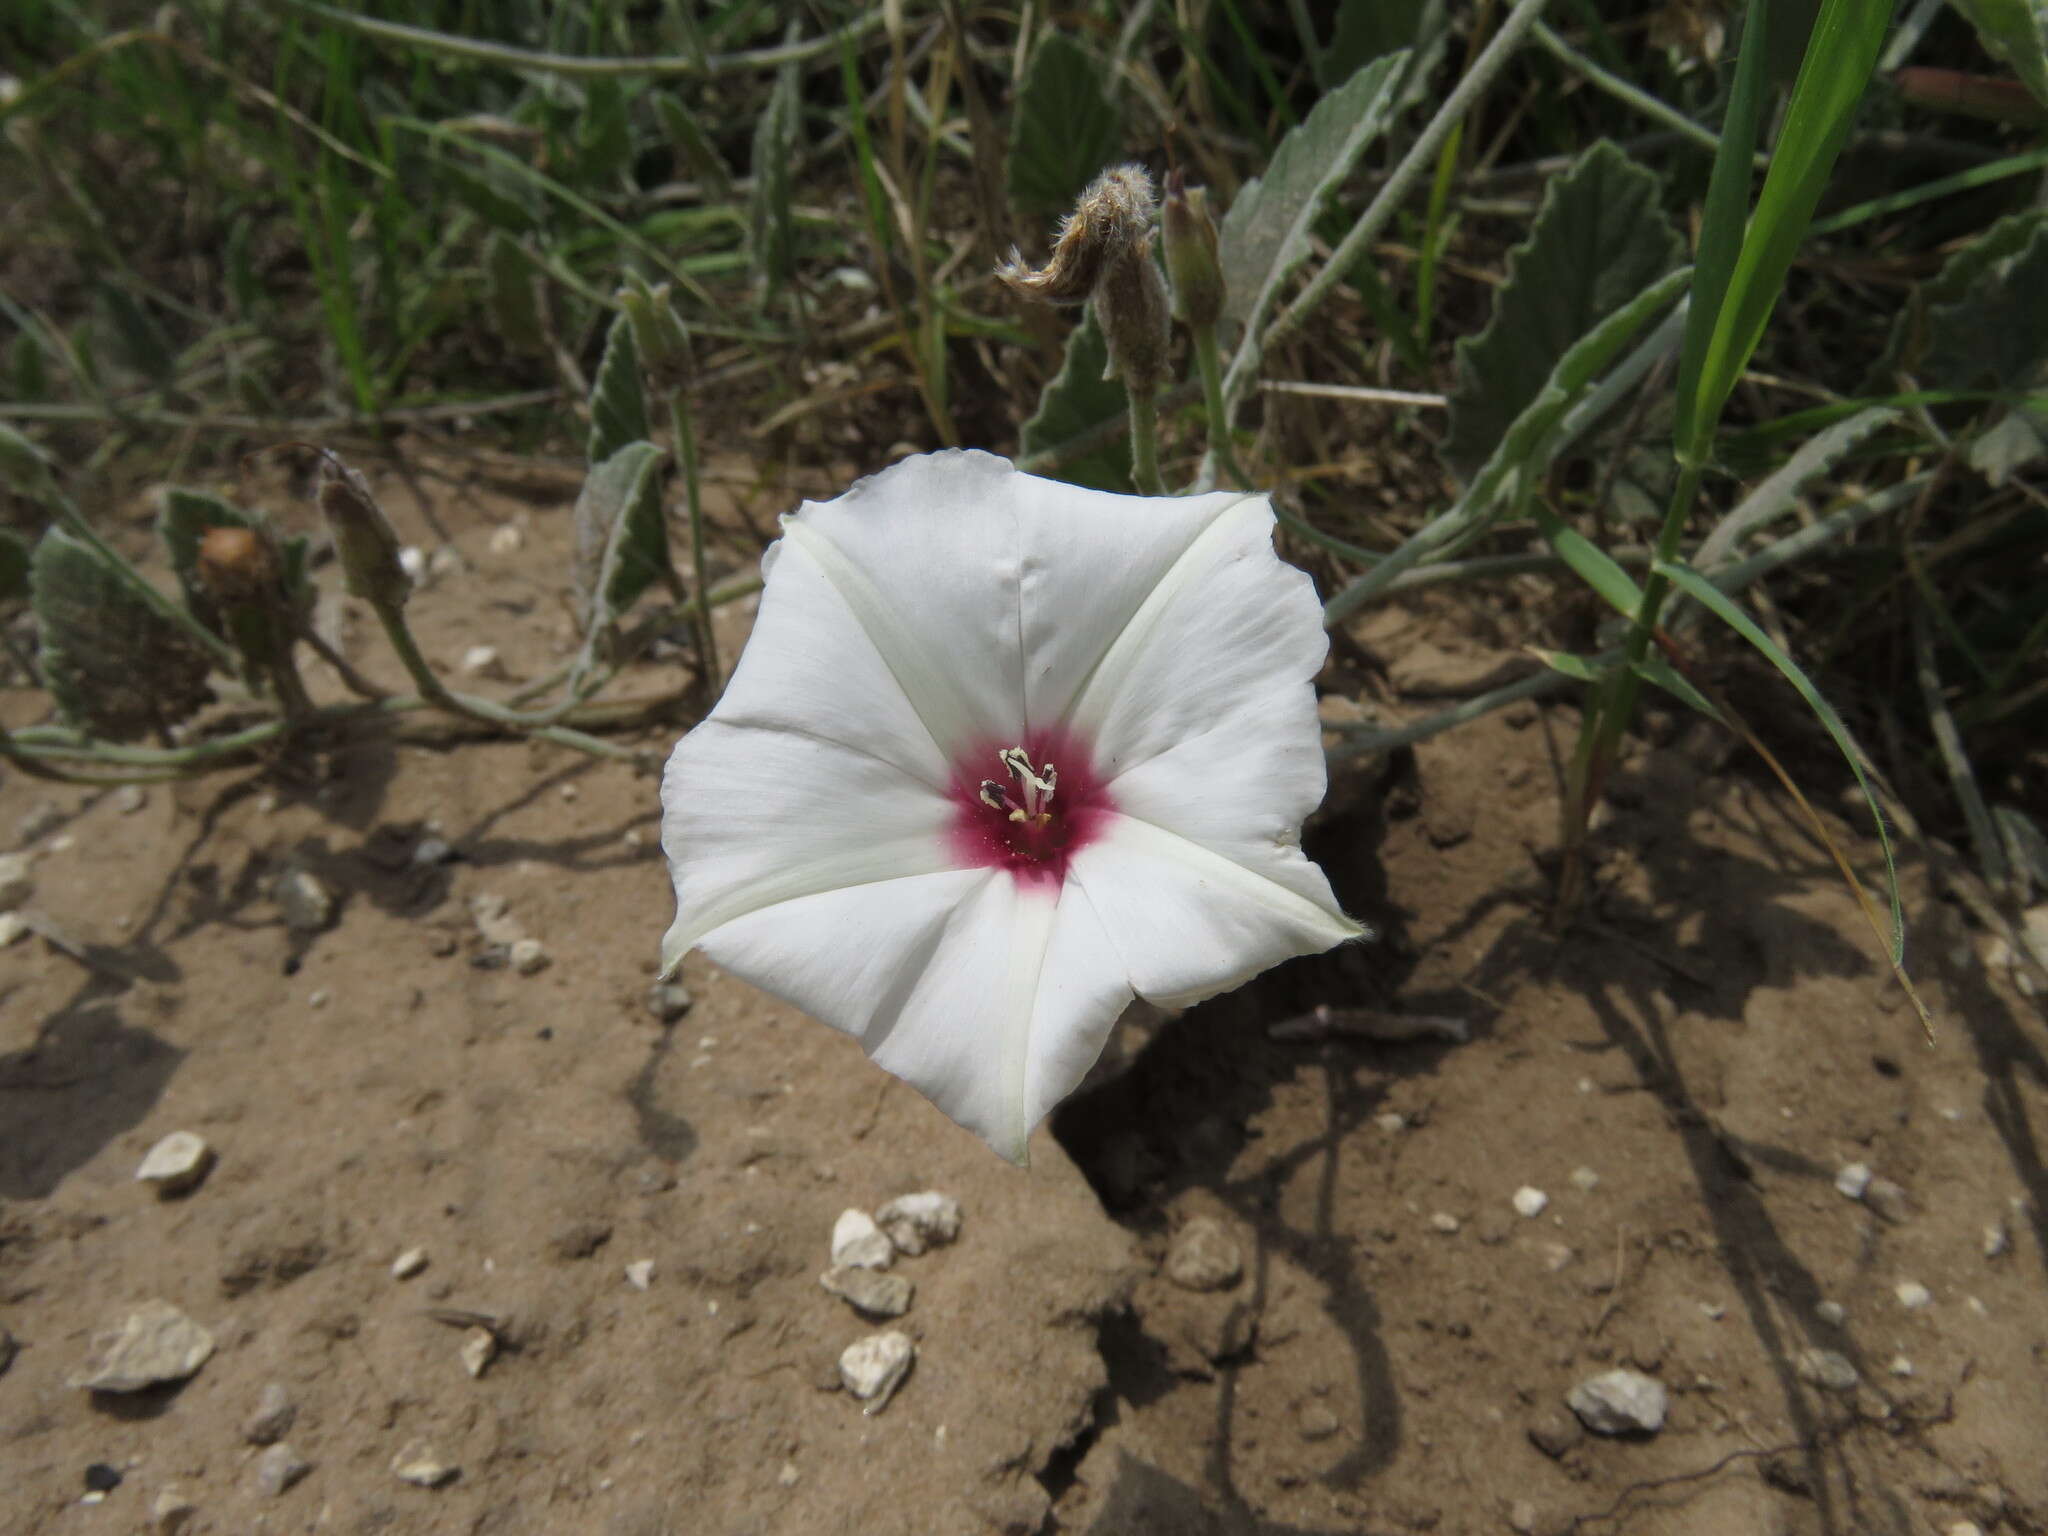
point(754, 816)
point(1189, 922)
point(990, 996)
point(1029, 581)
point(1227, 624)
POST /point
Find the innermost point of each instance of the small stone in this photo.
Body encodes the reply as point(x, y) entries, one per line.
point(307, 904)
point(176, 1164)
point(1853, 1180)
point(868, 1290)
point(320, 999)
point(170, 1513)
point(37, 820)
point(408, 1263)
point(507, 539)
point(273, 1418)
point(1997, 1240)
point(1964, 1528)
point(640, 1274)
point(872, 1368)
point(1620, 1402)
point(1713, 1311)
point(1204, 1257)
point(1530, 1202)
point(155, 1343)
point(857, 1242)
point(1390, 1122)
point(1912, 1295)
point(528, 957)
point(413, 561)
point(101, 1478)
point(788, 1476)
point(1556, 1256)
point(668, 1001)
point(13, 926)
point(481, 661)
point(432, 852)
point(278, 1468)
point(1444, 1222)
point(1900, 1366)
point(1554, 1433)
point(1826, 1369)
point(417, 1464)
point(1585, 1180)
point(445, 561)
point(17, 884)
point(1889, 1200)
point(1833, 1313)
point(1316, 1422)
point(479, 1349)
point(916, 1222)
point(1522, 1517)
point(494, 924)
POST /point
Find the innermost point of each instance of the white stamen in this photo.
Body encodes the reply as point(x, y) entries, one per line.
point(1037, 787)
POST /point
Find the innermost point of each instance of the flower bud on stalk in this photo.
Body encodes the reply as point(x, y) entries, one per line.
point(363, 537)
point(1131, 305)
point(1190, 236)
point(658, 331)
point(1113, 216)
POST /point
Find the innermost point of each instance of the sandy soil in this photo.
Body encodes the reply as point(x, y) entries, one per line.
point(1683, 1074)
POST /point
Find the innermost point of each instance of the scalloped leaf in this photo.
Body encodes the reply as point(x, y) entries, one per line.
point(771, 230)
point(1075, 400)
point(1599, 239)
point(621, 534)
point(1067, 126)
point(618, 400)
point(114, 665)
point(1266, 234)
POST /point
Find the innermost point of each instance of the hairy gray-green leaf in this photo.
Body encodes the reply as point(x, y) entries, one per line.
point(621, 534)
point(1599, 239)
point(1066, 127)
point(1907, 346)
point(771, 238)
point(695, 152)
point(1265, 236)
point(515, 305)
point(1995, 336)
point(1371, 29)
point(618, 400)
point(14, 561)
point(1076, 399)
point(113, 664)
point(1779, 493)
point(2013, 30)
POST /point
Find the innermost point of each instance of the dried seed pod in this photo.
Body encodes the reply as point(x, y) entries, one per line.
point(237, 565)
point(1131, 305)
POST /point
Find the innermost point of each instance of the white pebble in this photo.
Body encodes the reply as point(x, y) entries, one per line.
point(176, 1163)
point(1833, 1313)
point(17, 884)
point(408, 1263)
point(413, 561)
point(857, 1241)
point(1585, 1180)
point(1997, 1240)
point(1390, 1122)
point(12, 926)
point(528, 956)
point(481, 661)
point(640, 1274)
point(787, 1477)
point(1852, 1180)
point(927, 1219)
point(872, 1368)
point(507, 540)
point(479, 1349)
point(417, 1464)
point(1530, 1201)
point(445, 561)
point(1912, 1294)
point(1620, 1402)
point(1444, 1222)
point(1900, 1366)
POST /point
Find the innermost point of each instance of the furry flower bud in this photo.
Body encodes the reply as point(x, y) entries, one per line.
point(1132, 308)
point(1190, 236)
point(664, 344)
point(363, 538)
point(1112, 217)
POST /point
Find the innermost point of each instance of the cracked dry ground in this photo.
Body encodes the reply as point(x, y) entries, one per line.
point(1712, 1043)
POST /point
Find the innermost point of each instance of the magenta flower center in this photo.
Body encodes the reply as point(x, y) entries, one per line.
point(1027, 808)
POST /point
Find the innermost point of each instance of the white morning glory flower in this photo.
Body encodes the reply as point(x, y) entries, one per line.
point(1001, 755)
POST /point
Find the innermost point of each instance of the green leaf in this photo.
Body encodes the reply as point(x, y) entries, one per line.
point(621, 534)
point(604, 140)
point(140, 342)
point(1076, 399)
point(1578, 668)
point(1266, 234)
point(1599, 239)
point(1590, 563)
point(1727, 324)
point(14, 563)
point(1368, 30)
point(694, 150)
point(618, 400)
point(771, 239)
point(2012, 30)
point(1717, 602)
point(1996, 333)
point(515, 306)
point(114, 665)
point(25, 468)
point(1659, 671)
point(1066, 127)
point(1779, 492)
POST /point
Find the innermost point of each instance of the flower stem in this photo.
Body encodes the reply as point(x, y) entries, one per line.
point(1210, 365)
point(1145, 443)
